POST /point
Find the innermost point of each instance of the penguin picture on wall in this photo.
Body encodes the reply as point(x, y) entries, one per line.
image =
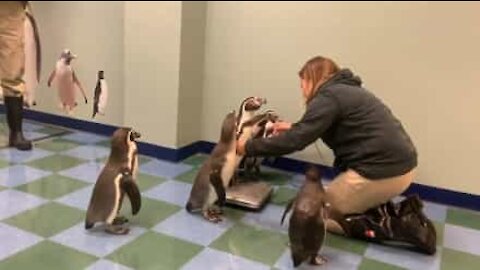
point(100, 95)
point(33, 58)
point(66, 81)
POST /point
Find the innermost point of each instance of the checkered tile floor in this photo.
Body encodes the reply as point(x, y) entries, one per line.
point(44, 195)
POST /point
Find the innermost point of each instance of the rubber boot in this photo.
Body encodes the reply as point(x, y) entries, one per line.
point(14, 111)
point(403, 222)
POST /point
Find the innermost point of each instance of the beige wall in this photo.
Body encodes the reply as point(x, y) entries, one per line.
point(191, 72)
point(152, 53)
point(93, 31)
point(421, 58)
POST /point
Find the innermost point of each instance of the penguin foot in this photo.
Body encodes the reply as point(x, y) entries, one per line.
point(212, 217)
point(318, 260)
point(120, 220)
point(117, 230)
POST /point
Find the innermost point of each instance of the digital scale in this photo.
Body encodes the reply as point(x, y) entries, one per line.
point(252, 195)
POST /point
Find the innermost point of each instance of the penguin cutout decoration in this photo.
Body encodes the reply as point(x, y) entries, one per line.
point(33, 58)
point(117, 178)
point(66, 82)
point(215, 174)
point(100, 95)
point(307, 228)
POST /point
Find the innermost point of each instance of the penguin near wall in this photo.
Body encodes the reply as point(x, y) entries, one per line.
point(33, 58)
point(66, 82)
point(115, 180)
point(208, 191)
point(100, 95)
point(307, 228)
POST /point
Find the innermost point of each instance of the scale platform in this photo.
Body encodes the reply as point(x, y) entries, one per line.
point(251, 195)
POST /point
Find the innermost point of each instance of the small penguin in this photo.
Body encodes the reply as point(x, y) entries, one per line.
point(66, 81)
point(265, 131)
point(215, 174)
point(100, 95)
point(117, 178)
point(33, 58)
point(307, 228)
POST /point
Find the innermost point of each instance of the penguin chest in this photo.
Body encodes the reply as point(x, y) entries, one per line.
point(228, 168)
point(102, 99)
point(65, 84)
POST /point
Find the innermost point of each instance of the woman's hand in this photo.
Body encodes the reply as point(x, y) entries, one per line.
point(280, 127)
point(241, 146)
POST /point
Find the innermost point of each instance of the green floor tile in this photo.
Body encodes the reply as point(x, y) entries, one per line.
point(105, 143)
point(4, 164)
point(52, 186)
point(274, 177)
point(457, 260)
point(195, 160)
point(47, 220)
point(369, 264)
point(47, 256)
point(146, 181)
point(439, 227)
point(346, 244)
point(57, 145)
point(463, 218)
point(188, 177)
point(55, 163)
point(141, 159)
point(52, 131)
point(151, 213)
point(256, 244)
point(234, 214)
point(155, 251)
point(283, 195)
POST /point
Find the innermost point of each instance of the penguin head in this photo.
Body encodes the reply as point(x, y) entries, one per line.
point(67, 56)
point(100, 75)
point(229, 127)
point(252, 103)
point(272, 115)
point(313, 174)
point(122, 140)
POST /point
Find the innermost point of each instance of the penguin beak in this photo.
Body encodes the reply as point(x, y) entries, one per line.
point(136, 135)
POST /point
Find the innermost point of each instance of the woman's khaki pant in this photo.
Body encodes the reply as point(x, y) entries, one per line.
point(350, 193)
point(12, 56)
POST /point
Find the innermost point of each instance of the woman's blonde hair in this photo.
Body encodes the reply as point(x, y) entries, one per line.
point(317, 71)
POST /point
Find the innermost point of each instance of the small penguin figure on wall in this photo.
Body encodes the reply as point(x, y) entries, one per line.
point(100, 95)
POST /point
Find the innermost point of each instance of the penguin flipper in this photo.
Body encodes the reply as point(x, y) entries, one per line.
point(51, 77)
point(77, 82)
point(287, 209)
point(131, 188)
point(216, 181)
